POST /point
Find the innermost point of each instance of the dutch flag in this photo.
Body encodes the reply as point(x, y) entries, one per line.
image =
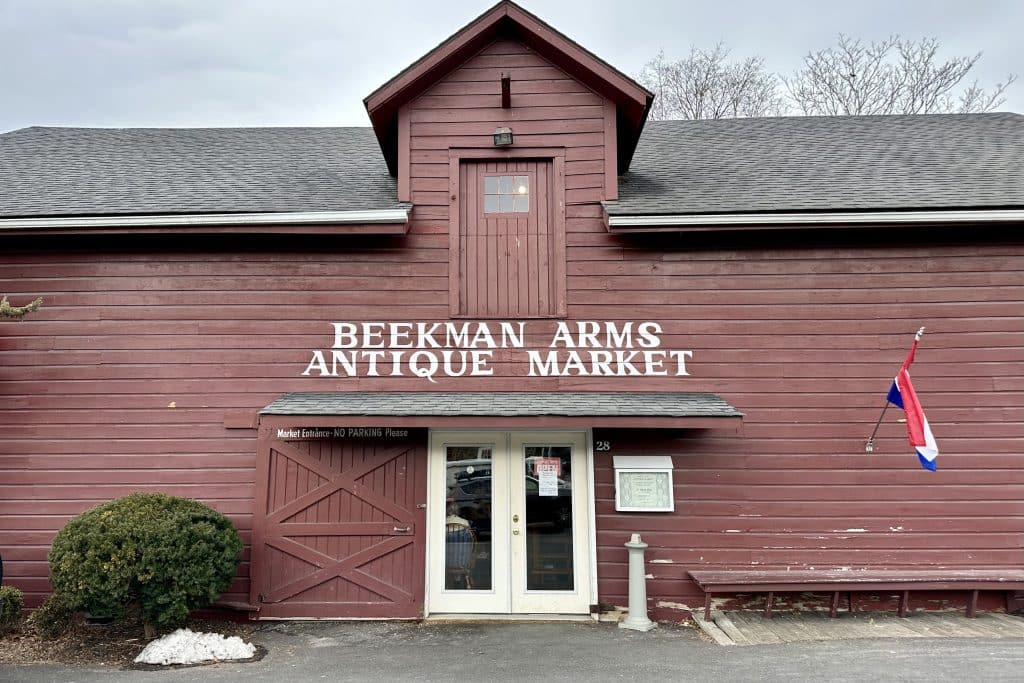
point(902, 394)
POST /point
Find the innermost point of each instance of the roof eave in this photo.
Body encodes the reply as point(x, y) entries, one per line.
point(730, 423)
point(370, 222)
point(628, 224)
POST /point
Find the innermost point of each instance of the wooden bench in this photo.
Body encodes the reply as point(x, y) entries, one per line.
point(834, 581)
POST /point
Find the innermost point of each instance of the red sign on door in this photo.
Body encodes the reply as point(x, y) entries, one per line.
point(547, 465)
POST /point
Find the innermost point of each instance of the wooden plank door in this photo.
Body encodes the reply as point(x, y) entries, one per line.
point(338, 532)
point(510, 258)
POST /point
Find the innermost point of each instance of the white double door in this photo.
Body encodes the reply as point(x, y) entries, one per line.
point(509, 523)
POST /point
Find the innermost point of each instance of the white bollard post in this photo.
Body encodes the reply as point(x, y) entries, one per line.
point(637, 619)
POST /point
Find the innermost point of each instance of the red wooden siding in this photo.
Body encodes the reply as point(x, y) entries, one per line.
point(508, 264)
point(337, 529)
point(802, 339)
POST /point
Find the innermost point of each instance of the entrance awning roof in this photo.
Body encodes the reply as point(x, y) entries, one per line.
point(501, 409)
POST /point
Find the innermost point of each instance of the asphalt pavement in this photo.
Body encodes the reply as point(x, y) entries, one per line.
point(392, 651)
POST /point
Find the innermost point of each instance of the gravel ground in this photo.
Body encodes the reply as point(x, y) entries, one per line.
point(114, 645)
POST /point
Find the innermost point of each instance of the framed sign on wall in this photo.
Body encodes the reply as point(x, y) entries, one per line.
point(643, 483)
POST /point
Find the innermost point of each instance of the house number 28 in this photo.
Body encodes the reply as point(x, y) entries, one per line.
point(603, 446)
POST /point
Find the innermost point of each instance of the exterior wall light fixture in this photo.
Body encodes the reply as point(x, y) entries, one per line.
point(502, 137)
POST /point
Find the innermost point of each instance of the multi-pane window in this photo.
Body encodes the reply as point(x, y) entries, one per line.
point(506, 194)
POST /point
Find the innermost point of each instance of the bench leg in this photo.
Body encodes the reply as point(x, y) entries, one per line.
point(707, 605)
point(904, 599)
point(972, 604)
point(768, 605)
point(834, 607)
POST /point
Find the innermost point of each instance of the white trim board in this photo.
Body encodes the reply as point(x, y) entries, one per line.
point(635, 223)
point(382, 216)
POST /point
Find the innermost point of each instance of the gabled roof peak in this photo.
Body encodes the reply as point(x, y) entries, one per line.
point(508, 20)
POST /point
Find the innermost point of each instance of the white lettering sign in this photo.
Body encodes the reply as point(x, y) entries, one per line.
point(342, 433)
point(466, 349)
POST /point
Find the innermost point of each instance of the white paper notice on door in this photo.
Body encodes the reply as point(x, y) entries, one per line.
point(547, 476)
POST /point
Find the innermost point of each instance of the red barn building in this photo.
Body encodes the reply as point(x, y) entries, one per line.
point(449, 363)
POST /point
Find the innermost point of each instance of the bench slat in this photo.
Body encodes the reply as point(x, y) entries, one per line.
point(1008, 579)
point(834, 581)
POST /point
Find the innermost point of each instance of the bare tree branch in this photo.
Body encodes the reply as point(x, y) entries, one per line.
point(706, 85)
point(894, 76)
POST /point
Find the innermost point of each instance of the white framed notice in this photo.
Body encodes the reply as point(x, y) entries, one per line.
point(643, 483)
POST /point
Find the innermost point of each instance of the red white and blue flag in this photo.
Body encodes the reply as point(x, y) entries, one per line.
point(902, 394)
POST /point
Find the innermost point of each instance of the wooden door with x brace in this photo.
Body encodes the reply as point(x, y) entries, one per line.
point(338, 531)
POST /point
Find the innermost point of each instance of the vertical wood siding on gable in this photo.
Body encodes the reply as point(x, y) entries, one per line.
point(549, 109)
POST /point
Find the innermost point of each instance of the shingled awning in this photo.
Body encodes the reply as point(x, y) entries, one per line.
point(504, 409)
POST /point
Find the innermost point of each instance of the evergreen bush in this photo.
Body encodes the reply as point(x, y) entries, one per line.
point(52, 618)
point(11, 602)
point(170, 555)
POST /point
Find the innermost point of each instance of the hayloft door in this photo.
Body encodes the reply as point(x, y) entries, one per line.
point(508, 260)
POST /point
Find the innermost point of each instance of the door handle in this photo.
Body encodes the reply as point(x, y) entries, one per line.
point(515, 519)
point(515, 532)
point(400, 530)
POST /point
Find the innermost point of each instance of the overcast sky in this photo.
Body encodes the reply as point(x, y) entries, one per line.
point(311, 62)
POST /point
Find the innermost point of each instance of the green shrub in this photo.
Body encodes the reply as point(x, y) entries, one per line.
point(11, 602)
point(169, 555)
point(53, 617)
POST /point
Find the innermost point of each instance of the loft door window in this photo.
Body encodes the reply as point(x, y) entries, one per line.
point(506, 194)
point(509, 261)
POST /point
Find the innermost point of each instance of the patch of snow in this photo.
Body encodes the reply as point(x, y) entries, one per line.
point(895, 528)
point(849, 531)
point(185, 646)
point(662, 561)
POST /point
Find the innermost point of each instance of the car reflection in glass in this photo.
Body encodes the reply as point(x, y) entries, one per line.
point(471, 498)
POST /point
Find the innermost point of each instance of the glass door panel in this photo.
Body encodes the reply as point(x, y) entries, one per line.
point(508, 517)
point(470, 502)
point(549, 548)
point(467, 516)
point(549, 504)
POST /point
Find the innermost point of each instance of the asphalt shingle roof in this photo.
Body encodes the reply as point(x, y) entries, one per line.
point(104, 171)
point(503, 404)
point(846, 163)
point(941, 161)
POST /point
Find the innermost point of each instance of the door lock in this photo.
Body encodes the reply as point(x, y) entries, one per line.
point(515, 532)
point(515, 518)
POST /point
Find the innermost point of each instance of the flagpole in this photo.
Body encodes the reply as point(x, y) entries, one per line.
point(869, 447)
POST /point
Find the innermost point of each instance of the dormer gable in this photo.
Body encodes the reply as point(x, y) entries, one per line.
point(508, 21)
